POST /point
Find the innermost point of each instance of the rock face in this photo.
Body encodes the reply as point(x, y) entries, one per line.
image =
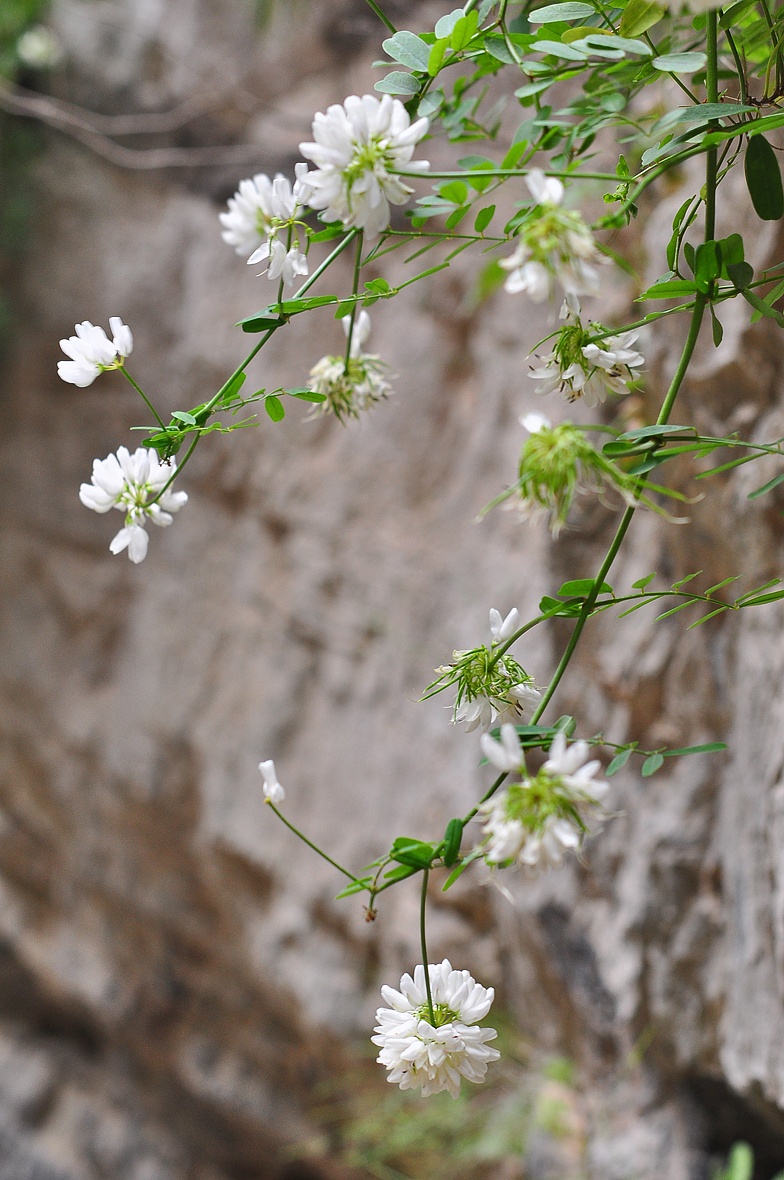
point(175, 978)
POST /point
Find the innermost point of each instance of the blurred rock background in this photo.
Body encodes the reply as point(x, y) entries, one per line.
point(180, 997)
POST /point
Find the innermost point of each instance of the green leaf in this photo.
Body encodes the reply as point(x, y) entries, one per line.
point(437, 56)
point(306, 395)
point(653, 431)
point(679, 63)
point(768, 487)
point(274, 407)
point(414, 853)
point(582, 587)
point(718, 331)
point(456, 216)
point(232, 389)
point(497, 48)
point(604, 40)
point(641, 583)
point(400, 873)
point(652, 764)
point(262, 321)
point(572, 10)
point(740, 274)
point(566, 725)
point(668, 290)
point(639, 16)
point(355, 887)
point(334, 230)
point(398, 83)
point(699, 113)
point(759, 305)
point(446, 23)
point(740, 1165)
point(763, 179)
point(182, 416)
point(558, 49)
point(528, 91)
point(452, 840)
point(463, 30)
point(483, 218)
point(455, 192)
point(618, 762)
point(474, 854)
point(408, 49)
point(709, 748)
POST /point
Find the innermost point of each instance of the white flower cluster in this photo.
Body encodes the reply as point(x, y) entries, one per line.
point(358, 148)
point(483, 711)
point(353, 385)
point(258, 212)
point(587, 371)
point(92, 352)
point(535, 822)
point(556, 244)
point(127, 482)
point(433, 1051)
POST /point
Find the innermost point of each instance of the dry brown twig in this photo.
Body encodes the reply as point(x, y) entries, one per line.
point(93, 130)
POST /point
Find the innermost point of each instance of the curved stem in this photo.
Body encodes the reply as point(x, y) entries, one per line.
point(423, 941)
point(354, 289)
point(315, 847)
point(626, 520)
point(381, 16)
point(143, 396)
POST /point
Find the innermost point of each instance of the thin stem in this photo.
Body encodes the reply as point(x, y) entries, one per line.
point(143, 396)
point(381, 16)
point(315, 847)
point(423, 940)
point(354, 289)
point(487, 795)
point(744, 90)
point(318, 272)
point(626, 520)
point(468, 174)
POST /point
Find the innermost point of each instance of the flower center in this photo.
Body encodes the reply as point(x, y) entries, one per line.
point(441, 1015)
point(367, 156)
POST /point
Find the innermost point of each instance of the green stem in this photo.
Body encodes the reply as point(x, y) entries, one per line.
point(487, 795)
point(381, 16)
point(626, 520)
point(423, 940)
point(744, 90)
point(318, 272)
point(354, 289)
point(143, 396)
point(315, 847)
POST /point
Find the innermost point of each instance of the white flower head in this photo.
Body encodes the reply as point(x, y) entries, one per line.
point(432, 1051)
point(273, 791)
point(553, 244)
point(586, 362)
point(353, 385)
point(501, 629)
point(92, 352)
point(258, 213)
point(128, 482)
point(537, 821)
point(358, 148)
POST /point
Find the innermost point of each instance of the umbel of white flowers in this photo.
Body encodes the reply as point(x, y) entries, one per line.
point(358, 148)
point(587, 370)
point(127, 482)
point(257, 214)
point(92, 352)
point(433, 1051)
point(536, 821)
point(354, 384)
point(553, 243)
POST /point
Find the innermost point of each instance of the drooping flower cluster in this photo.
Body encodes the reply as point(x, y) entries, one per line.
point(579, 367)
point(538, 820)
point(432, 1051)
point(555, 463)
point(92, 352)
point(130, 483)
point(273, 791)
point(554, 243)
point(350, 385)
point(491, 688)
point(359, 147)
point(258, 213)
